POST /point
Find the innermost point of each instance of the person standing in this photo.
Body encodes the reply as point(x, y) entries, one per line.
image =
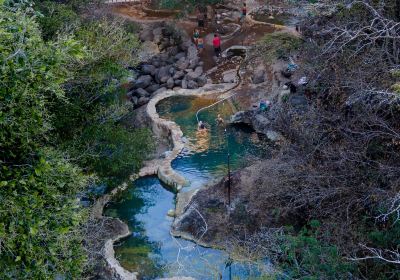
point(196, 35)
point(217, 45)
point(244, 12)
point(200, 44)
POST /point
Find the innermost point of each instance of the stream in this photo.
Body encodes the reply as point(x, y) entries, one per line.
point(150, 250)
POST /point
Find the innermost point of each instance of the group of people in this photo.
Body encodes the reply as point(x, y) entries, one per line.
point(202, 126)
point(201, 23)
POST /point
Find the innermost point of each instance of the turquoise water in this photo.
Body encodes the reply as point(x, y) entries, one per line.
point(151, 250)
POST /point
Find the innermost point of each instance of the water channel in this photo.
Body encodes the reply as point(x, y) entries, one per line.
point(150, 249)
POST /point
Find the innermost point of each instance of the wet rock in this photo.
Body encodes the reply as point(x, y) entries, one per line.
point(143, 81)
point(142, 93)
point(143, 101)
point(258, 76)
point(192, 85)
point(148, 69)
point(152, 88)
point(170, 83)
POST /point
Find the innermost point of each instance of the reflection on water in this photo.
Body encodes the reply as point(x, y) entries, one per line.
point(151, 250)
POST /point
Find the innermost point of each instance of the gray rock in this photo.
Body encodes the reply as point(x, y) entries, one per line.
point(156, 63)
point(142, 93)
point(143, 81)
point(258, 77)
point(182, 63)
point(274, 136)
point(152, 88)
point(158, 31)
point(148, 69)
point(130, 94)
point(192, 85)
point(172, 71)
point(195, 74)
point(143, 100)
point(298, 101)
point(134, 100)
point(172, 51)
point(201, 81)
point(192, 52)
point(193, 63)
point(163, 74)
point(160, 90)
point(179, 55)
point(170, 83)
point(184, 84)
point(146, 35)
point(178, 82)
point(178, 75)
point(229, 77)
point(186, 44)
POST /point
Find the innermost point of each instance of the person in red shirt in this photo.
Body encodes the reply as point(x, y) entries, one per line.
point(217, 45)
point(244, 12)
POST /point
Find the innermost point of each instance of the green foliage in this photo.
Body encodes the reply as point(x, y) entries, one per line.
point(55, 17)
point(278, 45)
point(39, 216)
point(113, 152)
point(187, 4)
point(58, 91)
point(306, 257)
point(32, 73)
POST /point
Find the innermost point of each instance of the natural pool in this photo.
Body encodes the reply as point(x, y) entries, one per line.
point(151, 250)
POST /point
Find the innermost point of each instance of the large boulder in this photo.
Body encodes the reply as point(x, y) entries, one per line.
point(229, 76)
point(163, 74)
point(170, 83)
point(148, 69)
point(195, 74)
point(192, 85)
point(182, 63)
point(143, 81)
point(152, 88)
point(142, 93)
point(143, 101)
point(201, 81)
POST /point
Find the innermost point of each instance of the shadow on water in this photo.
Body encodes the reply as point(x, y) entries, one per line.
point(150, 249)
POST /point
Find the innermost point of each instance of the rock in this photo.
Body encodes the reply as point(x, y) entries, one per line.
point(173, 51)
point(172, 71)
point(201, 63)
point(258, 76)
point(192, 75)
point(170, 83)
point(201, 81)
point(178, 82)
point(178, 75)
point(143, 81)
point(143, 101)
point(152, 88)
point(148, 50)
point(163, 74)
point(186, 44)
point(182, 64)
point(130, 94)
point(156, 63)
point(148, 69)
point(239, 117)
point(229, 76)
point(191, 85)
point(142, 93)
point(193, 63)
point(134, 100)
point(160, 90)
point(146, 35)
point(298, 101)
point(171, 213)
point(184, 84)
point(274, 136)
point(158, 31)
point(192, 52)
point(180, 55)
